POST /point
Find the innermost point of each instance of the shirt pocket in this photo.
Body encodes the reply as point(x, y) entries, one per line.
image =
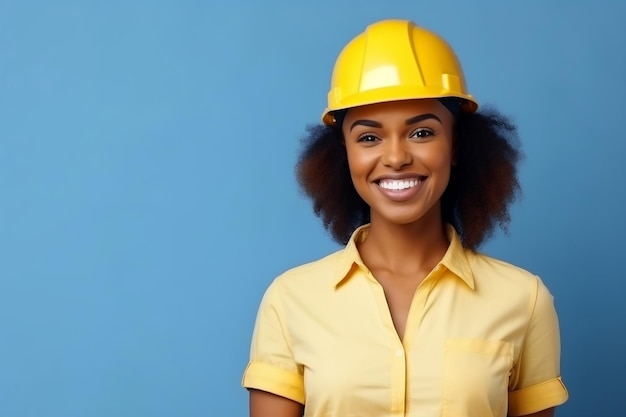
point(475, 377)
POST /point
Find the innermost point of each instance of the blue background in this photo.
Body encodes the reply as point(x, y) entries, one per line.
point(148, 197)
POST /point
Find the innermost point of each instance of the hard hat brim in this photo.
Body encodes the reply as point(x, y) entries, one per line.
point(384, 95)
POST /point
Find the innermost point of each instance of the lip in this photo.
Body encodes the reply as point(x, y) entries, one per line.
point(403, 176)
point(400, 195)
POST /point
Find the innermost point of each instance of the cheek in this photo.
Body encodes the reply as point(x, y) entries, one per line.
point(445, 161)
point(358, 162)
point(360, 166)
point(446, 153)
point(438, 157)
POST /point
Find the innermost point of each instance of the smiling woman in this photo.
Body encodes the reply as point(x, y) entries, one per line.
point(409, 319)
point(400, 158)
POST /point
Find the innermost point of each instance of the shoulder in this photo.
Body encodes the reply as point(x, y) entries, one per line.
point(311, 276)
point(507, 279)
point(490, 276)
point(305, 289)
point(485, 264)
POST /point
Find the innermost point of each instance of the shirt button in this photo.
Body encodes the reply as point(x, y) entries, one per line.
point(399, 352)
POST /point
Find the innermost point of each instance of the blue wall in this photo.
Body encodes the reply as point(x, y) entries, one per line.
point(146, 168)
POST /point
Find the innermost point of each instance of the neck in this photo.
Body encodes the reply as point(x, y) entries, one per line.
point(405, 248)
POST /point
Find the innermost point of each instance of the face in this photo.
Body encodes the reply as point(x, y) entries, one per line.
point(400, 156)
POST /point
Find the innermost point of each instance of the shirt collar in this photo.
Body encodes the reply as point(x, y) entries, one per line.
point(351, 257)
point(455, 258)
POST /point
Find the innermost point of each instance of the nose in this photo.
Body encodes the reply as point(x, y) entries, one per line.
point(395, 154)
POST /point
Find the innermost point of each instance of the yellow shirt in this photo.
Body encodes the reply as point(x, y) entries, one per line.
point(481, 339)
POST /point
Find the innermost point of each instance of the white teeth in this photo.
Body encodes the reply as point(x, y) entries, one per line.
point(398, 184)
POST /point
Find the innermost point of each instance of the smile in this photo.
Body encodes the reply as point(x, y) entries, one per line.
point(399, 185)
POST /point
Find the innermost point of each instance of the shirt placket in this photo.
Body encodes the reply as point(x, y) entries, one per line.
point(397, 373)
point(414, 319)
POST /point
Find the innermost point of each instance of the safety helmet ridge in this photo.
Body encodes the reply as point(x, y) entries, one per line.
point(395, 60)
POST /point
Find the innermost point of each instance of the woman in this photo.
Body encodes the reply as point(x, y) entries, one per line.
point(408, 319)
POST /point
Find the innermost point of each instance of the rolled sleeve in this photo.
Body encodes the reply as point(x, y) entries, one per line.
point(272, 379)
point(537, 384)
point(272, 367)
point(537, 397)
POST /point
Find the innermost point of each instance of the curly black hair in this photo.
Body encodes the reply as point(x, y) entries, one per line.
point(483, 182)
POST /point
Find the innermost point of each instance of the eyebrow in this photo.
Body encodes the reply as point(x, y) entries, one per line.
point(365, 122)
point(420, 118)
point(409, 121)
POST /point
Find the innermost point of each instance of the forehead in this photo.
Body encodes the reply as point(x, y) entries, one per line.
point(399, 109)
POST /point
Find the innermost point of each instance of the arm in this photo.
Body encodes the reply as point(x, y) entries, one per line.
point(536, 383)
point(265, 404)
point(273, 377)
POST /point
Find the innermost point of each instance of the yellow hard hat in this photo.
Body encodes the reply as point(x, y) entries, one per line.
point(395, 60)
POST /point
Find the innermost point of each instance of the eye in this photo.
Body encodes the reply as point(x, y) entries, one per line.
point(421, 133)
point(367, 138)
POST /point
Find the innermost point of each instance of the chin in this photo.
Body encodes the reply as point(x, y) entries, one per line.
point(402, 219)
point(407, 216)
